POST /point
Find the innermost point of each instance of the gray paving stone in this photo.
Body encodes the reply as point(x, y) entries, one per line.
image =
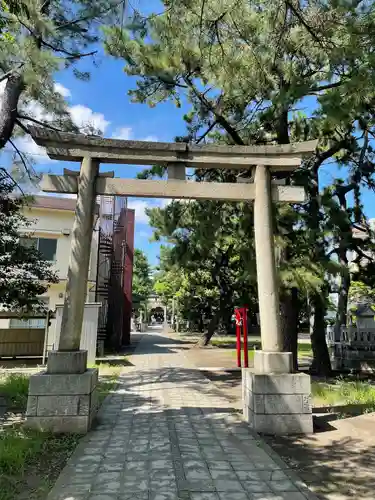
point(132, 496)
point(112, 467)
point(102, 497)
point(158, 438)
point(164, 495)
point(256, 486)
point(234, 496)
point(107, 487)
point(279, 496)
point(136, 485)
point(224, 474)
point(204, 496)
point(281, 486)
point(228, 485)
point(219, 465)
point(197, 474)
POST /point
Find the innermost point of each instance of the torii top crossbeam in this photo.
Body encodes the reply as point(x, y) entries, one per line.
point(74, 147)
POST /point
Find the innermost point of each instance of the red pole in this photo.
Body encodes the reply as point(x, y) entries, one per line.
point(238, 336)
point(245, 348)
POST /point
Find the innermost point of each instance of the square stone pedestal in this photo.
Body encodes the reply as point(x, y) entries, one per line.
point(277, 403)
point(63, 402)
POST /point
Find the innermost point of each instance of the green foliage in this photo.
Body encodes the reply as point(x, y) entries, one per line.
point(360, 292)
point(24, 274)
point(248, 70)
point(38, 39)
point(142, 282)
point(14, 388)
point(209, 264)
point(345, 392)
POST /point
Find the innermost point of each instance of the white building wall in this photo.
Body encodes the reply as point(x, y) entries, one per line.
point(58, 224)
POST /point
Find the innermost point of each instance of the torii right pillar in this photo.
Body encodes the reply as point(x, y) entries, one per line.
point(275, 400)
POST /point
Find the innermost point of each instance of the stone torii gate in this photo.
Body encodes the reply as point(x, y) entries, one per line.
point(275, 400)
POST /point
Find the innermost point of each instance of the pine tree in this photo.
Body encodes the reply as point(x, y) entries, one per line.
point(245, 71)
point(39, 38)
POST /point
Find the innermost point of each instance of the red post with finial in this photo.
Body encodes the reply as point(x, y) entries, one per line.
point(237, 313)
point(245, 345)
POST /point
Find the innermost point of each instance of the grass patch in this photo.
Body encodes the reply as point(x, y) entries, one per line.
point(31, 461)
point(304, 349)
point(14, 388)
point(108, 375)
point(352, 397)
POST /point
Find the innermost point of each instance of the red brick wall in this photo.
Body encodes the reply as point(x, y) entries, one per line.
point(128, 275)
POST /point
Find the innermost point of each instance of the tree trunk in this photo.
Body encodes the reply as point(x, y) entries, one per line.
point(9, 108)
point(321, 364)
point(289, 308)
point(207, 335)
point(342, 305)
point(200, 323)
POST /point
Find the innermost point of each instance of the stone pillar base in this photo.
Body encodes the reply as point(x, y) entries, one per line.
point(278, 404)
point(62, 403)
point(272, 362)
point(67, 362)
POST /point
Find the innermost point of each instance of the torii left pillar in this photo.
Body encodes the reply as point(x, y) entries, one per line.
point(64, 398)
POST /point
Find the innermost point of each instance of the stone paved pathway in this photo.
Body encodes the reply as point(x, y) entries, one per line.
point(168, 434)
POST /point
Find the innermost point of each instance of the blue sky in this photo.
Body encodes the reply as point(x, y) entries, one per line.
point(103, 102)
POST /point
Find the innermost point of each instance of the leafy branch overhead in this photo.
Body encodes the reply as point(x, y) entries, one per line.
point(39, 38)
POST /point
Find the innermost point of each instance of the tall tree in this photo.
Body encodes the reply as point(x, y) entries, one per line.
point(142, 282)
point(245, 67)
point(24, 274)
point(214, 255)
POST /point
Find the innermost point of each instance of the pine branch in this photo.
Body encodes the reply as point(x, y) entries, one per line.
point(22, 159)
point(300, 17)
point(326, 87)
point(323, 156)
point(206, 132)
point(34, 120)
point(21, 125)
point(70, 55)
point(14, 182)
point(219, 117)
point(6, 75)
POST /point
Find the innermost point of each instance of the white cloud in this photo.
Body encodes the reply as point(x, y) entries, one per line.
point(150, 138)
point(140, 206)
point(124, 133)
point(26, 145)
point(85, 117)
point(62, 90)
point(127, 134)
point(140, 210)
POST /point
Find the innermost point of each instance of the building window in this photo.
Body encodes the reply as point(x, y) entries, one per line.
point(46, 246)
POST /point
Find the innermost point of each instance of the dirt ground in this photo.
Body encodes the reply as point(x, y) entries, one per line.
point(337, 462)
point(212, 357)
